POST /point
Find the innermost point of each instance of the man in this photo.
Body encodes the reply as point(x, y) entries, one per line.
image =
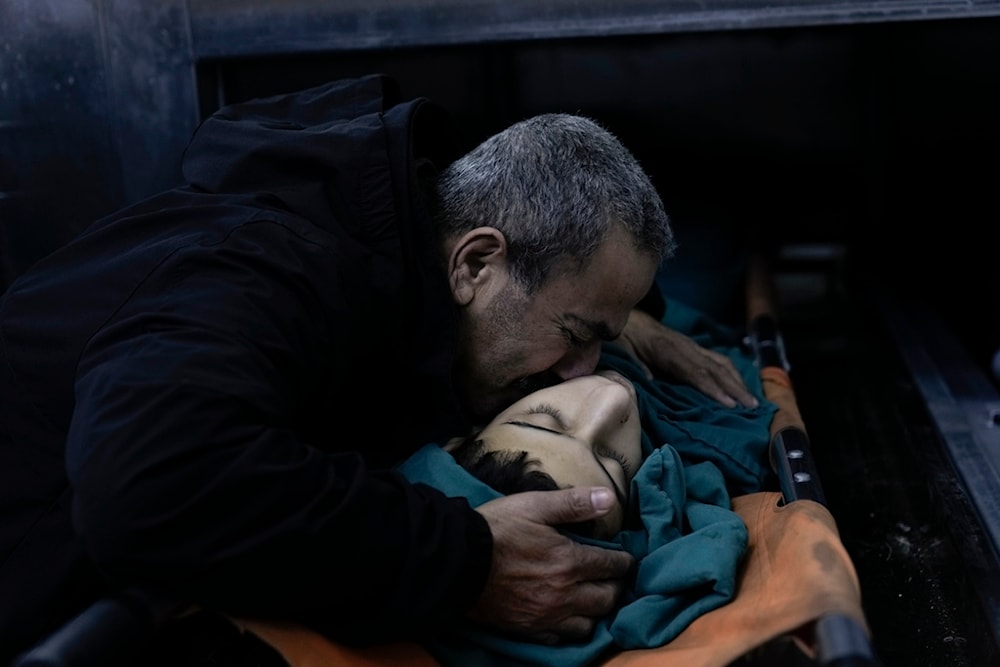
point(203, 392)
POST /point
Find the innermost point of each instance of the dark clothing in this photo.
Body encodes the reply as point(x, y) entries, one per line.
point(184, 385)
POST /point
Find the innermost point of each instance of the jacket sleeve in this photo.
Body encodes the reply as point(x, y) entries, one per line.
point(190, 473)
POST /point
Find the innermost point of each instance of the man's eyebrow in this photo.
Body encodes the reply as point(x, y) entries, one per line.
point(614, 485)
point(599, 328)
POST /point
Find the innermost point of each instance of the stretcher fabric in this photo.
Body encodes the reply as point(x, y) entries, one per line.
point(795, 570)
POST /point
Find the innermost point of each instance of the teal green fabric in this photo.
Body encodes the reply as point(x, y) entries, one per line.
point(734, 439)
point(680, 528)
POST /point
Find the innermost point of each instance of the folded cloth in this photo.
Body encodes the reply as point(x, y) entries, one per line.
point(686, 539)
point(795, 571)
point(735, 439)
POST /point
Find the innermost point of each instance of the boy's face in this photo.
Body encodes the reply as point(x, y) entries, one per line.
point(582, 432)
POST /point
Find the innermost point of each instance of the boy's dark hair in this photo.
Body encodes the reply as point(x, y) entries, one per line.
point(507, 472)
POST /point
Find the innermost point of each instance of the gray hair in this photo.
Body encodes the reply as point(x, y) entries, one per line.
point(553, 184)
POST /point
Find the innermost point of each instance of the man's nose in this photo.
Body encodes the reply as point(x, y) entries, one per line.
point(579, 361)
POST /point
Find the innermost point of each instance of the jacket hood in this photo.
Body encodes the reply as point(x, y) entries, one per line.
point(313, 152)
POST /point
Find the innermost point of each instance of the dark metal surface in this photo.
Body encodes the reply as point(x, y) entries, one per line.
point(928, 571)
point(54, 136)
point(96, 102)
point(151, 105)
point(98, 99)
point(280, 26)
point(963, 404)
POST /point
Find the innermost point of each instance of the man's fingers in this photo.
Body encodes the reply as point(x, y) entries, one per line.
point(544, 585)
point(574, 627)
point(734, 387)
point(553, 508)
point(677, 356)
point(599, 597)
point(738, 390)
point(595, 565)
point(548, 638)
point(718, 377)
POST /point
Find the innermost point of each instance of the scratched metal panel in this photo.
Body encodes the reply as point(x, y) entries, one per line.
point(283, 26)
point(95, 98)
point(53, 127)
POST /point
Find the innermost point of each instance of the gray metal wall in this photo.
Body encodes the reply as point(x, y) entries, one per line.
point(784, 106)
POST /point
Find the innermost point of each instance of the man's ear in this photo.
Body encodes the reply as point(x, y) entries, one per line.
point(477, 257)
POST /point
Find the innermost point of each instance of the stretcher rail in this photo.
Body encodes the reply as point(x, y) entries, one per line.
point(841, 641)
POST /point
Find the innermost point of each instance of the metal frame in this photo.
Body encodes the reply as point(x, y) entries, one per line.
point(964, 407)
point(99, 98)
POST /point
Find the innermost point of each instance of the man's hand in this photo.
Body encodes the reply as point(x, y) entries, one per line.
point(679, 357)
point(543, 586)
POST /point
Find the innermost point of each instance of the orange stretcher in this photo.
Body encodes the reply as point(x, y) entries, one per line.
point(798, 599)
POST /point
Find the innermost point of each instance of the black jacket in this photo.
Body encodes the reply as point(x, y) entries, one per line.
point(202, 392)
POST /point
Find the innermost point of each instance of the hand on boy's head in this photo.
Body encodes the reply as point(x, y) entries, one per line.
point(544, 586)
